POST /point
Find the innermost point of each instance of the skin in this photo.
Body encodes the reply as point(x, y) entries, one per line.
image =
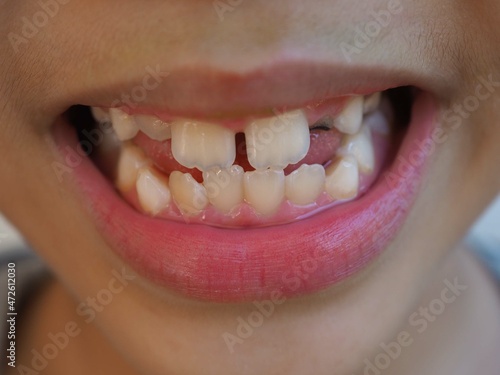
point(149, 330)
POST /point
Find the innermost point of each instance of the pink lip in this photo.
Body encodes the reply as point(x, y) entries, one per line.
point(230, 265)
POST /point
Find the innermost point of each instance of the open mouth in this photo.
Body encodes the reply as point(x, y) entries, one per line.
point(288, 202)
point(253, 172)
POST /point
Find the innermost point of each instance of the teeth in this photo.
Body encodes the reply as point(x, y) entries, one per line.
point(100, 115)
point(123, 124)
point(224, 187)
point(361, 147)
point(189, 195)
point(265, 190)
point(202, 145)
point(153, 127)
point(342, 179)
point(131, 159)
point(372, 102)
point(304, 185)
point(377, 122)
point(278, 141)
point(351, 118)
point(272, 144)
point(152, 190)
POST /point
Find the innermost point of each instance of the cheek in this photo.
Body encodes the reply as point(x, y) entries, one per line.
point(480, 139)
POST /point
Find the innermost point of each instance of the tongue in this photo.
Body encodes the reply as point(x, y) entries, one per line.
point(324, 145)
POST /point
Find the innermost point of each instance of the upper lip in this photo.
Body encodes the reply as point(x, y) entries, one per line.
point(209, 92)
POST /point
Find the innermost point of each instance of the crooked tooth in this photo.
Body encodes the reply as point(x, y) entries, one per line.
point(342, 179)
point(304, 185)
point(131, 159)
point(360, 146)
point(202, 145)
point(189, 195)
point(265, 190)
point(377, 122)
point(152, 190)
point(350, 119)
point(224, 187)
point(277, 141)
point(123, 124)
point(153, 127)
point(100, 115)
point(372, 102)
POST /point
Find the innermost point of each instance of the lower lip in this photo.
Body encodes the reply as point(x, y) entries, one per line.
point(237, 265)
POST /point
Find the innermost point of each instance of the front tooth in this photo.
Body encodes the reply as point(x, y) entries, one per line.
point(202, 145)
point(372, 102)
point(100, 115)
point(189, 195)
point(123, 124)
point(342, 179)
point(153, 127)
point(265, 190)
point(304, 185)
point(131, 159)
point(350, 119)
point(152, 190)
point(225, 187)
point(360, 146)
point(278, 141)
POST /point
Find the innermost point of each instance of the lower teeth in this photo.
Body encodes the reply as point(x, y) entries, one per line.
point(234, 193)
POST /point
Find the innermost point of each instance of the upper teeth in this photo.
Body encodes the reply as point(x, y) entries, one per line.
point(153, 127)
point(123, 124)
point(100, 114)
point(277, 141)
point(350, 119)
point(272, 144)
point(202, 145)
point(372, 102)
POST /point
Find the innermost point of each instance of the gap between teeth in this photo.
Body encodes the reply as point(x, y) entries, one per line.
point(272, 144)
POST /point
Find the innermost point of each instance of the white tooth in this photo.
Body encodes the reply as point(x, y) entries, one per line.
point(377, 122)
point(131, 159)
point(372, 102)
point(360, 146)
point(342, 179)
point(152, 190)
point(350, 119)
point(123, 124)
point(153, 127)
point(100, 114)
point(202, 145)
point(278, 141)
point(189, 195)
point(225, 187)
point(304, 185)
point(265, 190)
